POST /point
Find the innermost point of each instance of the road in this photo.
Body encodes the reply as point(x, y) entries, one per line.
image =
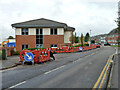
point(69, 70)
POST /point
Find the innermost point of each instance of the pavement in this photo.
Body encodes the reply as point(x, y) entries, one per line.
point(69, 70)
point(11, 61)
point(114, 83)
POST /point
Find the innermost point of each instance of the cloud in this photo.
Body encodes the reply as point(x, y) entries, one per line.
point(81, 14)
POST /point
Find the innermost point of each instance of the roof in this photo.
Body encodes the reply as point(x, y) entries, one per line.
point(70, 28)
point(42, 22)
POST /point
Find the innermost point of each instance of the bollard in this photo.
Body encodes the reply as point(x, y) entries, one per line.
point(4, 56)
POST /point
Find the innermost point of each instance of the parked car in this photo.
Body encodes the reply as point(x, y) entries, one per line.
point(107, 44)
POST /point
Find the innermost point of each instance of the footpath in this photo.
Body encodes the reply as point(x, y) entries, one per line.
point(114, 80)
point(11, 61)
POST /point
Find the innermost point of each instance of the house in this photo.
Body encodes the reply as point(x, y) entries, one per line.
point(112, 39)
point(100, 38)
point(41, 33)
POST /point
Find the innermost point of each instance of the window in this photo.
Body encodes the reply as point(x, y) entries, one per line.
point(39, 38)
point(24, 31)
point(53, 31)
point(39, 45)
point(24, 46)
point(39, 31)
point(53, 45)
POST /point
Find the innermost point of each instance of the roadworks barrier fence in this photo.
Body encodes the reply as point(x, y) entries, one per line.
point(42, 55)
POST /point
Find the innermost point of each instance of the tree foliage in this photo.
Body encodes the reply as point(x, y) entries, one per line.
point(87, 37)
point(81, 39)
point(72, 38)
point(76, 38)
point(10, 37)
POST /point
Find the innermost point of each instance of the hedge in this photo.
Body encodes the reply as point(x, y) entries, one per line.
point(33, 48)
point(80, 45)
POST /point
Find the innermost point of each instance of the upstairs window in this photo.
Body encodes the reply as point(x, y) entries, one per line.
point(39, 31)
point(24, 31)
point(53, 31)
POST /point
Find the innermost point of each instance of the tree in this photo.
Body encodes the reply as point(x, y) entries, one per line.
point(87, 37)
point(76, 38)
point(10, 37)
point(72, 38)
point(81, 39)
point(93, 41)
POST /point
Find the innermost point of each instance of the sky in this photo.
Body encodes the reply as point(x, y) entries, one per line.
point(84, 15)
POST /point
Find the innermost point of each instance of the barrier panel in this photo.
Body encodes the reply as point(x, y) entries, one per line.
point(39, 55)
point(42, 55)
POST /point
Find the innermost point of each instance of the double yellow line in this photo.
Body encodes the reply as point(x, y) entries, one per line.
point(102, 76)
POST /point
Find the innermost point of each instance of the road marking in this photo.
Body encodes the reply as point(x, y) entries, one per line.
point(102, 75)
point(17, 84)
point(54, 69)
point(116, 51)
point(8, 69)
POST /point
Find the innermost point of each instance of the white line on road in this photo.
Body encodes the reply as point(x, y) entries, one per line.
point(17, 84)
point(116, 52)
point(54, 69)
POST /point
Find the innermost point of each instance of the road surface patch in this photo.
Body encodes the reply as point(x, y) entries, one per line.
point(54, 69)
point(103, 74)
point(18, 84)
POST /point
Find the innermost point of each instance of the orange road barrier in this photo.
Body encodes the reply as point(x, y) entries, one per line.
point(42, 55)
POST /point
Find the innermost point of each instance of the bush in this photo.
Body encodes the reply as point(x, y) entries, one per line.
point(33, 48)
point(80, 45)
point(16, 53)
point(86, 44)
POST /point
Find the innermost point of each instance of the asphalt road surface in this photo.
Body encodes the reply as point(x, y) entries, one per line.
point(69, 70)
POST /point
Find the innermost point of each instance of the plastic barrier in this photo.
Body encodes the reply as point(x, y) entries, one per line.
point(39, 55)
point(42, 55)
point(22, 53)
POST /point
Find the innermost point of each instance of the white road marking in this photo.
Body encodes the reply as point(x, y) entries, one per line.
point(54, 69)
point(17, 84)
point(8, 69)
point(116, 51)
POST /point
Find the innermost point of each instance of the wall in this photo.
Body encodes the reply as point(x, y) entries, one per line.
point(18, 31)
point(67, 35)
point(46, 31)
point(9, 49)
point(25, 39)
point(32, 31)
point(52, 39)
point(48, 39)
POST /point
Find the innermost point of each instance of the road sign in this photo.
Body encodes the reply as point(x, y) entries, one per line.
point(28, 56)
point(80, 48)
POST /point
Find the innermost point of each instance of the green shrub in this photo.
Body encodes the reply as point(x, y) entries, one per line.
point(33, 48)
point(80, 45)
point(86, 44)
point(16, 53)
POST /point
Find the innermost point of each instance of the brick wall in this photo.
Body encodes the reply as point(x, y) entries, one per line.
point(52, 39)
point(9, 49)
point(25, 39)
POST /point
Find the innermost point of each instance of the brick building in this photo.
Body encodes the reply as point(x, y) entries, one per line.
point(42, 33)
point(112, 39)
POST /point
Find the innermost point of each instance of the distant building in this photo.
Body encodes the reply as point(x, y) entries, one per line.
point(112, 39)
point(100, 38)
point(41, 33)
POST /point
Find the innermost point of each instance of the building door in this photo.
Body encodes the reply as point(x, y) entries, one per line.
point(39, 38)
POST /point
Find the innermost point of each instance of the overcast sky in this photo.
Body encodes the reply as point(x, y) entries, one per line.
point(84, 15)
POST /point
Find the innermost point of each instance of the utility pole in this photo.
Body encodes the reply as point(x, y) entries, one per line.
point(90, 38)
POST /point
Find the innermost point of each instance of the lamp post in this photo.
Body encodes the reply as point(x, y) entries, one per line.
point(90, 38)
